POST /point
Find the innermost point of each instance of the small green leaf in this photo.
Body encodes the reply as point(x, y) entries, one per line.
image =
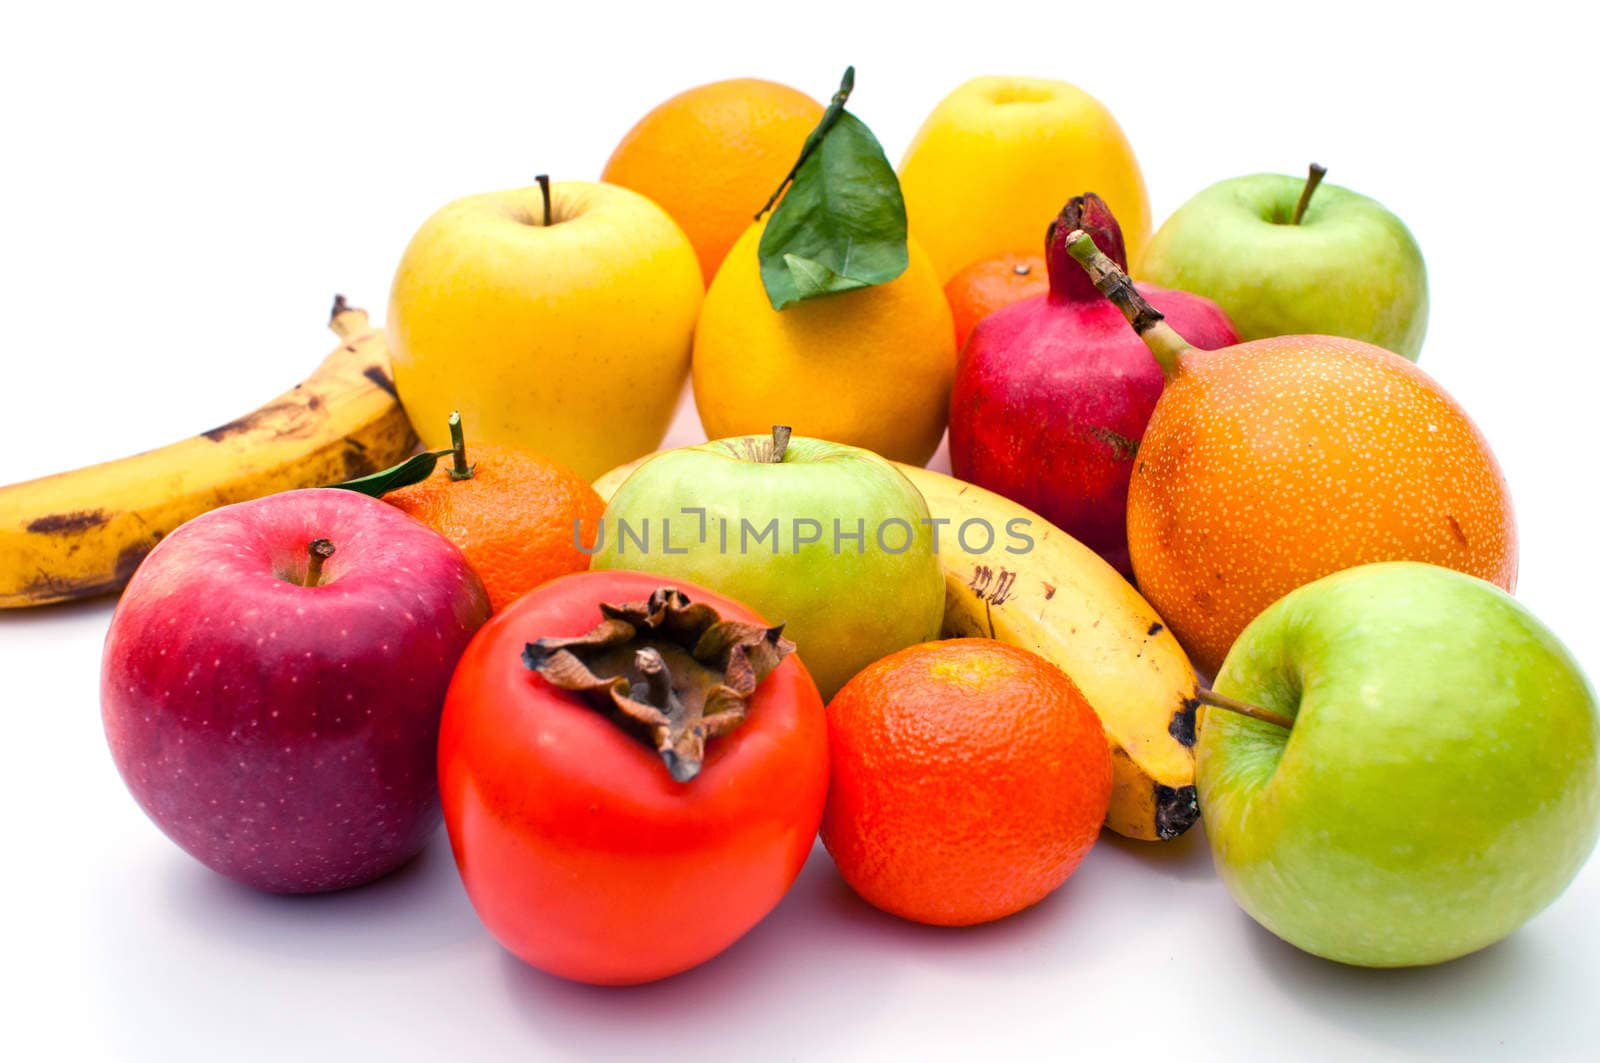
point(842, 224)
point(813, 278)
point(413, 470)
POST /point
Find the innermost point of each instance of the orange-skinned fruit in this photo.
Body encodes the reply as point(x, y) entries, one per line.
point(969, 778)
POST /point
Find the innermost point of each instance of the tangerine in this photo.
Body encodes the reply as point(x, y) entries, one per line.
point(712, 155)
point(988, 284)
point(517, 517)
point(968, 779)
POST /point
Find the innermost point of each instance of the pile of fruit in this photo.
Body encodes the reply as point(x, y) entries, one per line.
point(1214, 547)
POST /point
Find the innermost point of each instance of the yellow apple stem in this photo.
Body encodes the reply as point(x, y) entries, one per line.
point(1244, 708)
point(319, 550)
point(1313, 179)
point(1147, 321)
point(458, 449)
point(544, 190)
point(780, 444)
point(847, 85)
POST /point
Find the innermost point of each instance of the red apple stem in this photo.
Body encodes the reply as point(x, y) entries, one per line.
point(544, 190)
point(780, 444)
point(1167, 346)
point(319, 550)
point(458, 449)
point(1313, 179)
point(1244, 708)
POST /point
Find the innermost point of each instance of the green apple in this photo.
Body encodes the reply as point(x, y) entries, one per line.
point(1440, 780)
point(830, 540)
point(1285, 257)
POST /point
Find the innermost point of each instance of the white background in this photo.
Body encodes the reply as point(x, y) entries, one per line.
point(183, 192)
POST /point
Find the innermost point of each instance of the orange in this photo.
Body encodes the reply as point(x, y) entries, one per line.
point(968, 780)
point(711, 156)
point(513, 519)
point(870, 367)
point(1272, 463)
point(988, 284)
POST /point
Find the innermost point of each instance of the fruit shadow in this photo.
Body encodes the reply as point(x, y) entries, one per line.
point(1508, 1001)
point(417, 909)
point(61, 614)
point(788, 969)
point(1186, 858)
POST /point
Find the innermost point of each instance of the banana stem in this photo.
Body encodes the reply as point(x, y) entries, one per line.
point(1313, 179)
point(346, 320)
point(458, 449)
point(1147, 321)
point(1244, 708)
point(319, 550)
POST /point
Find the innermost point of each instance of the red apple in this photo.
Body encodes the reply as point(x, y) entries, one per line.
point(278, 722)
point(1052, 393)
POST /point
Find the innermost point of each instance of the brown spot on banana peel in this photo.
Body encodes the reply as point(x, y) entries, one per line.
point(381, 379)
point(1181, 726)
point(47, 589)
point(286, 418)
point(68, 523)
point(1177, 808)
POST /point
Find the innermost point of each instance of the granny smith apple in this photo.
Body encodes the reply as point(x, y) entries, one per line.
point(830, 540)
point(1288, 256)
point(1439, 780)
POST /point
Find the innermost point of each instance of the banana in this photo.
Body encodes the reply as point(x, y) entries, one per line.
point(1060, 600)
point(82, 533)
point(1063, 602)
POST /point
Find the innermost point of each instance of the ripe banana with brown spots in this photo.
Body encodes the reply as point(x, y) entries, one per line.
point(82, 533)
point(1060, 600)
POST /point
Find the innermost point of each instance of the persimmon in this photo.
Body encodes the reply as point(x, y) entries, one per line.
point(632, 774)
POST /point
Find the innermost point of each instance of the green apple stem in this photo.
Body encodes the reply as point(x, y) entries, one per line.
point(1313, 179)
point(1147, 321)
point(458, 449)
point(319, 551)
point(847, 85)
point(544, 190)
point(1244, 708)
point(780, 444)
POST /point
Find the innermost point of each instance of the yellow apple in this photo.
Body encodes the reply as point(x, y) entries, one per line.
point(998, 157)
point(570, 338)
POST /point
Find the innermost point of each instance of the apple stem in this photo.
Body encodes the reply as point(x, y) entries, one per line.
point(847, 85)
point(1244, 708)
point(780, 444)
point(1167, 346)
point(1313, 179)
point(319, 550)
point(544, 190)
point(458, 449)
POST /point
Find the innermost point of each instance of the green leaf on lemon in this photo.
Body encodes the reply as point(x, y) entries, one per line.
point(842, 224)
